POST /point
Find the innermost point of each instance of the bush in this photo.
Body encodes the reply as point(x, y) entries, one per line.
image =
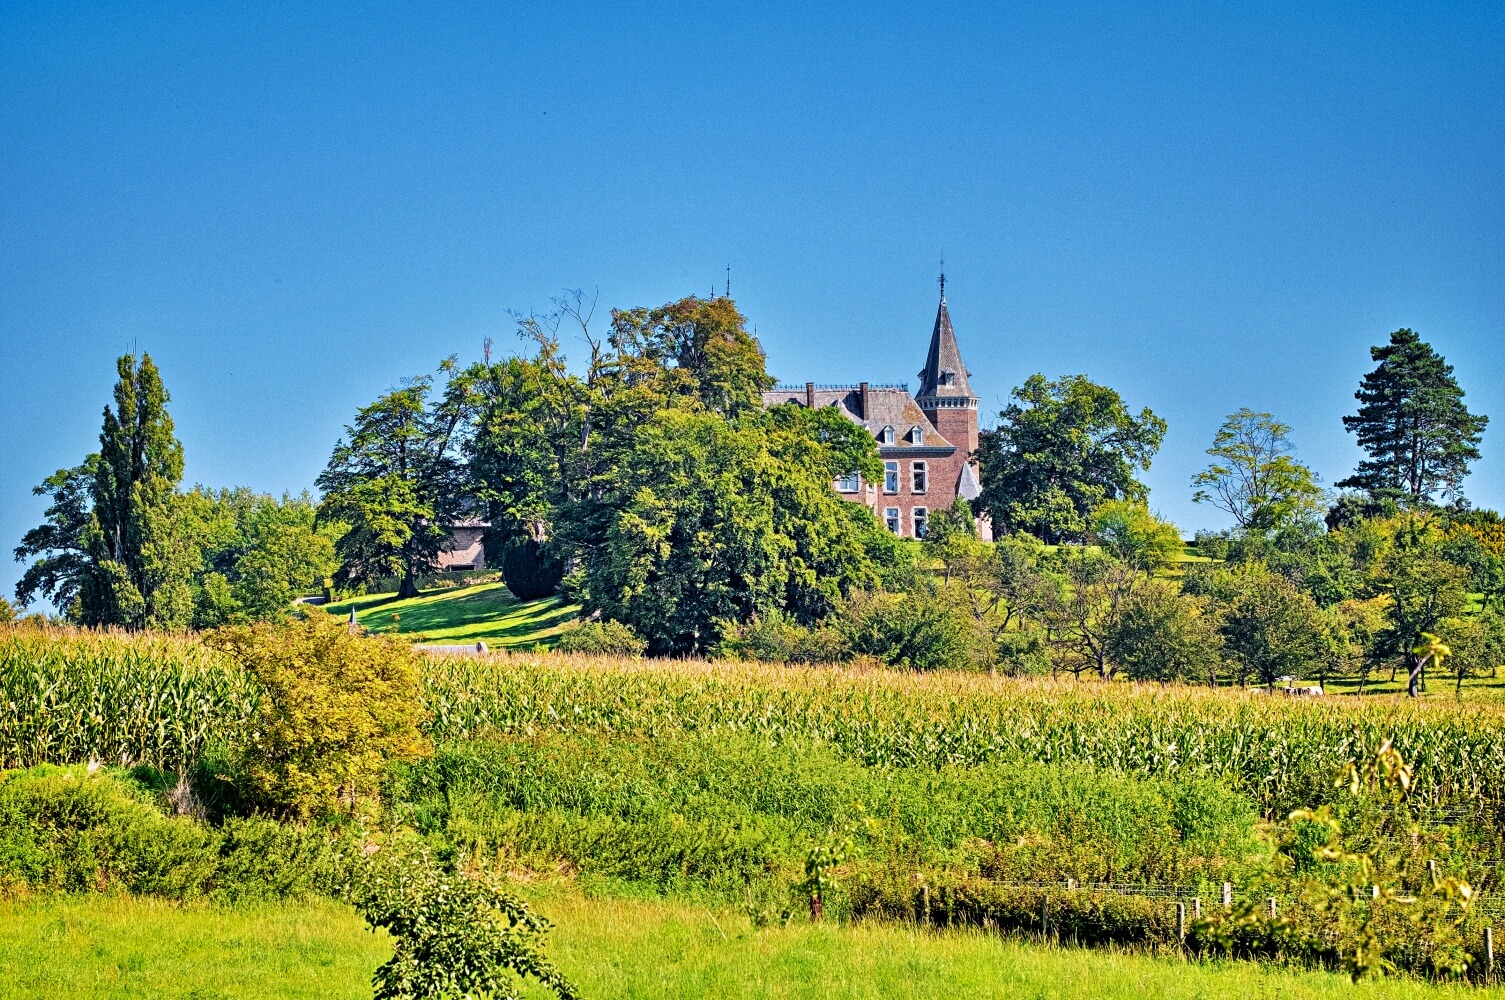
point(602, 638)
point(919, 630)
point(80, 830)
point(337, 707)
point(529, 569)
point(775, 638)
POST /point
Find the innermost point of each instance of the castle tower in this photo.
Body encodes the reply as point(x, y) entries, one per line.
point(945, 394)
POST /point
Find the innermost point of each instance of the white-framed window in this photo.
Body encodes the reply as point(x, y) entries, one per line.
point(919, 477)
point(916, 435)
point(886, 436)
point(849, 484)
point(921, 521)
point(891, 518)
point(890, 477)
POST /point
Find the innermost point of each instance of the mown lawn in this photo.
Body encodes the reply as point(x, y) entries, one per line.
point(482, 613)
point(66, 947)
point(74, 947)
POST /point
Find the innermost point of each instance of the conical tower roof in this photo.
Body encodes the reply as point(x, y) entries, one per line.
point(944, 377)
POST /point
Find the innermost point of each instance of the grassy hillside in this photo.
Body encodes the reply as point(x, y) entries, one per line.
point(72, 947)
point(485, 612)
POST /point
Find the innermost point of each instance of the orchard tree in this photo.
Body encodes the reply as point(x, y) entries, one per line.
point(1270, 628)
point(1419, 435)
point(1424, 588)
point(1253, 476)
point(1164, 635)
point(1084, 608)
point(397, 483)
point(1060, 450)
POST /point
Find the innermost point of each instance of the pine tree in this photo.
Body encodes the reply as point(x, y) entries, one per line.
point(141, 562)
point(1412, 422)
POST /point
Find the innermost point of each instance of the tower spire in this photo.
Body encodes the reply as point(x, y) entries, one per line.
point(944, 375)
point(943, 277)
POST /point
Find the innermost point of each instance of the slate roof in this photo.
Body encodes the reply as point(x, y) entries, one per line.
point(944, 376)
point(887, 406)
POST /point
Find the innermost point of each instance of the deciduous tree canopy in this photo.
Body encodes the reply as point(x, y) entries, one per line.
point(1059, 451)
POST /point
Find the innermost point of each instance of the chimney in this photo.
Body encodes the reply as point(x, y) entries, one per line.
point(810, 394)
point(862, 397)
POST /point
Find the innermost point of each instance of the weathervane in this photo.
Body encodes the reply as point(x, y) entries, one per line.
point(943, 276)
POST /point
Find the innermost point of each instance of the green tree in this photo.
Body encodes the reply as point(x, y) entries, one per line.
point(1060, 451)
point(63, 571)
point(713, 523)
point(114, 550)
point(1084, 608)
point(1253, 476)
point(1164, 635)
point(1412, 422)
point(704, 345)
point(1129, 532)
point(1424, 588)
point(259, 554)
point(397, 481)
point(1270, 628)
point(143, 557)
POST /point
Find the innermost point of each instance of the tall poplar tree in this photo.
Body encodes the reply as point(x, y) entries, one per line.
point(1412, 422)
point(140, 563)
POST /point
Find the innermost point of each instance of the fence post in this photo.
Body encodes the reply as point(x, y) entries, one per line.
point(1489, 954)
point(1181, 922)
point(1272, 907)
point(1196, 907)
point(1070, 884)
point(925, 903)
point(1044, 915)
point(1432, 871)
point(1227, 895)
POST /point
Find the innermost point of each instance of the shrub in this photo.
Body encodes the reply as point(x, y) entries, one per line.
point(456, 936)
point(603, 638)
point(337, 707)
point(529, 569)
point(775, 638)
point(79, 830)
point(919, 630)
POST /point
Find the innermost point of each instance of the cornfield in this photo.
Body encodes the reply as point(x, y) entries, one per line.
point(69, 696)
point(1283, 754)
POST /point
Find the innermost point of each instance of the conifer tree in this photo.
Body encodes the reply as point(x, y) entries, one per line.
point(1412, 422)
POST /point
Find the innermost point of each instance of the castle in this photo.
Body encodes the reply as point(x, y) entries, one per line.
point(926, 441)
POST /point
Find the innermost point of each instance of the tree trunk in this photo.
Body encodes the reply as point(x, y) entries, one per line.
point(409, 585)
point(1413, 681)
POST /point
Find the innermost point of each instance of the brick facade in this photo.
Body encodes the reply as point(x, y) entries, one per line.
point(926, 441)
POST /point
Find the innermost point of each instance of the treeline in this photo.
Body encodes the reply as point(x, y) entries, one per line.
point(648, 483)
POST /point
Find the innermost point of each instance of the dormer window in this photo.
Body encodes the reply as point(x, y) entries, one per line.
point(886, 436)
point(916, 436)
point(948, 377)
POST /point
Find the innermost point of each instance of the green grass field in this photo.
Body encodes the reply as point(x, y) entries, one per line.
point(98, 947)
point(485, 612)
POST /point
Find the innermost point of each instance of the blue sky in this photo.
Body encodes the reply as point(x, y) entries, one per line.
point(1204, 207)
